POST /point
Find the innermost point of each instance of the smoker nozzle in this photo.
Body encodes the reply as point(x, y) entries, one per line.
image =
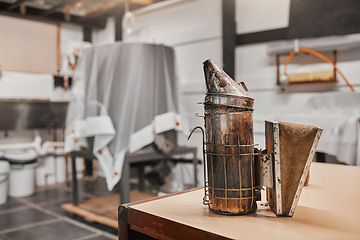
point(217, 81)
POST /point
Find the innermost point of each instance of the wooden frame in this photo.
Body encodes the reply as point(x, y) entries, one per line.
point(304, 75)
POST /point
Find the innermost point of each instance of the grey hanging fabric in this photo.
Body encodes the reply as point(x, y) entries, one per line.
point(124, 94)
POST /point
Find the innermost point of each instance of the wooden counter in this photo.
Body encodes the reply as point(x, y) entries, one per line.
point(329, 208)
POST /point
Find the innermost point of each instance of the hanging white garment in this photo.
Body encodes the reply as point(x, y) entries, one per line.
point(124, 94)
point(338, 114)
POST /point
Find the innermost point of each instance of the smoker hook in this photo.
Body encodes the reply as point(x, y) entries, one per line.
point(206, 190)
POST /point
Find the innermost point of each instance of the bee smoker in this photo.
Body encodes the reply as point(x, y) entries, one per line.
point(229, 146)
point(234, 170)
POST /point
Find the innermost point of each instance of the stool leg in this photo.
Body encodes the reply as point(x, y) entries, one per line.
point(320, 157)
point(141, 179)
point(75, 198)
point(125, 184)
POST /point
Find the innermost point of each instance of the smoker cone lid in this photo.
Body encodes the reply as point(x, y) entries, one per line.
point(218, 82)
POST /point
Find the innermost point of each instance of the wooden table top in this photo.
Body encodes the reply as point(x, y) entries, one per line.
point(329, 208)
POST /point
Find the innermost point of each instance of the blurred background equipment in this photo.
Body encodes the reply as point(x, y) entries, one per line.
point(127, 104)
point(311, 77)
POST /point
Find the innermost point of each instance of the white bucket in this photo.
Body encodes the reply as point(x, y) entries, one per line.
point(4, 177)
point(22, 173)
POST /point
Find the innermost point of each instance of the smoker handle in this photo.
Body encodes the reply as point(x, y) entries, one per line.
point(206, 190)
point(243, 86)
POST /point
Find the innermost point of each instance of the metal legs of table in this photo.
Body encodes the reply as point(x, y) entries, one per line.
point(124, 183)
point(75, 197)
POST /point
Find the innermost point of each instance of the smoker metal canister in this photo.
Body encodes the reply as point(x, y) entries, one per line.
point(229, 146)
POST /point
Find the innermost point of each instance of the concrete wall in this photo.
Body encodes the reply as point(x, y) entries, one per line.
point(193, 28)
point(105, 35)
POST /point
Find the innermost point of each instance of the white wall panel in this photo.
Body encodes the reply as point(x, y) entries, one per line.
point(189, 59)
point(179, 23)
point(28, 46)
point(15, 85)
point(105, 35)
point(261, 15)
point(69, 32)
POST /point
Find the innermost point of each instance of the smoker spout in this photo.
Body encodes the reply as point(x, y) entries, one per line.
point(217, 81)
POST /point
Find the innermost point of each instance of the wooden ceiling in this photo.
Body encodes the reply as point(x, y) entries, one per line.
point(88, 13)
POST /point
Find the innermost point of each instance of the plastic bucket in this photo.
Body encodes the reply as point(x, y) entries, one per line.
point(22, 180)
point(4, 177)
point(22, 173)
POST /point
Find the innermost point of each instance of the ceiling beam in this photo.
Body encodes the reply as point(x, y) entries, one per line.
point(62, 4)
point(100, 13)
point(119, 15)
point(67, 13)
point(102, 7)
point(15, 5)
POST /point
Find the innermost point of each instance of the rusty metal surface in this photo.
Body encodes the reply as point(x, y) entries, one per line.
point(266, 169)
point(230, 184)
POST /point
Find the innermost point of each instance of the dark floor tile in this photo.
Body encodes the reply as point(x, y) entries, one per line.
point(97, 188)
point(96, 225)
point(101, 237)
point(11, 203)
point(49, 195)
point(54, 231)
point(22, 217)
point(55, 207)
